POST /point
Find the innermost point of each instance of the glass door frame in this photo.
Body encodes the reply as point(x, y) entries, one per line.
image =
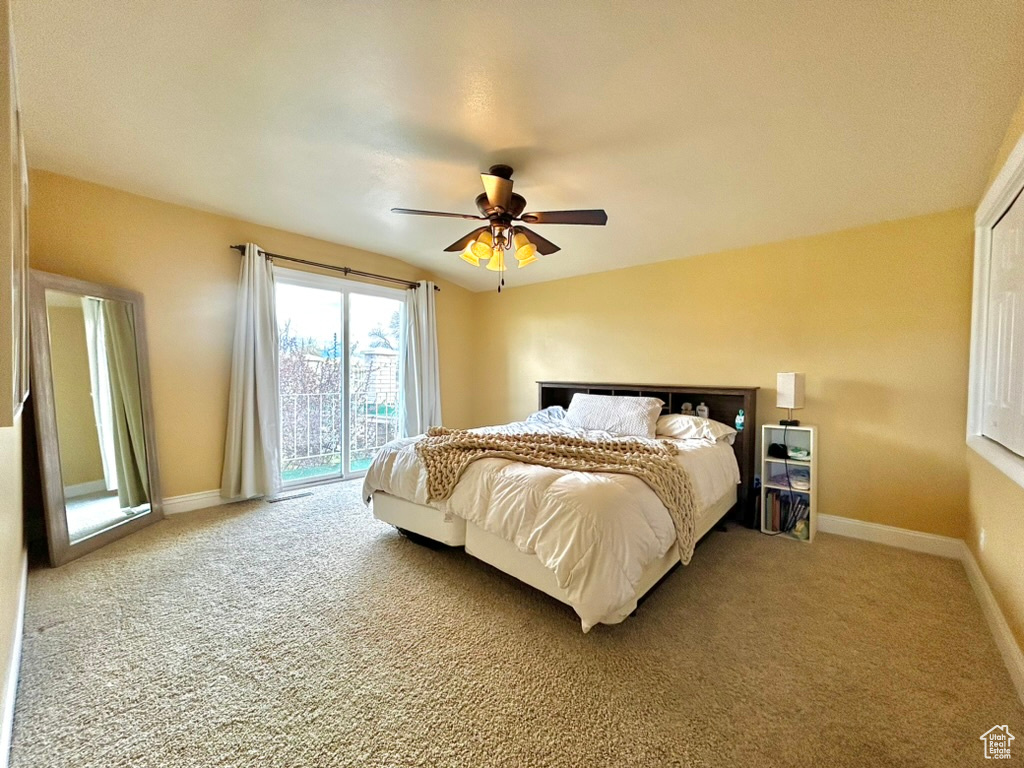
point(345, 288)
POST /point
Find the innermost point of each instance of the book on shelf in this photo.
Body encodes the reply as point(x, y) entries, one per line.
point(788, 508)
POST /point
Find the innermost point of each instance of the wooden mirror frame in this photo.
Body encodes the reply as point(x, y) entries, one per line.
point(61, 549)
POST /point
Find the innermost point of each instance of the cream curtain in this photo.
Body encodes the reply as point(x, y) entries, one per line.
point(252, 445)
point(420, 372)
point(99, 381)
point(126, 403)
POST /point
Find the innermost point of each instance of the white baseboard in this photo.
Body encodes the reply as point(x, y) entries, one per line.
point(84, 489)
point(1008, 647)
point(175, 505)
point(13, 668)
point(929, 543)
point(955, 549)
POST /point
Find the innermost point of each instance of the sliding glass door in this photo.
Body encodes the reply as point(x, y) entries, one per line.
point(340, 356)
point(375, 338)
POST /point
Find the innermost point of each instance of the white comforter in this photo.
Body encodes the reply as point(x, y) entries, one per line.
point(596, 531)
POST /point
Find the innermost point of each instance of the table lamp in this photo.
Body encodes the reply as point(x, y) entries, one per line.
point(790, 396)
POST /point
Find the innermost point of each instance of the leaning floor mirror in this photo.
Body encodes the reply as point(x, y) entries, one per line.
point(94, 417)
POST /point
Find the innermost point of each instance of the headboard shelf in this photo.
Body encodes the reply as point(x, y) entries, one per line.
point(723, 404)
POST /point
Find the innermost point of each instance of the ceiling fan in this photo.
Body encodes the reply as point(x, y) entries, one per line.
point(502, 209)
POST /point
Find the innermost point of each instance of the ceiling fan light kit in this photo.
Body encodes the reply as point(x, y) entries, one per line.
point(500, 207)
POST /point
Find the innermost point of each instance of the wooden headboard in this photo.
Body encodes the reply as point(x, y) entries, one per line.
point(722, 402)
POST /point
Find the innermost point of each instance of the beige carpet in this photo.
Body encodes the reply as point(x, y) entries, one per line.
point(305, 633)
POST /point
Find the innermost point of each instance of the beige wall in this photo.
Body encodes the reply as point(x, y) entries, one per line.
point(12, 556)
point(997, 513)
point(997, 503)
point(11, 551)
point(80, 460)
point(179, 259)
point(878, 317)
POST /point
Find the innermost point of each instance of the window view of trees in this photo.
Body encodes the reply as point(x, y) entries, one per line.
point(310, 384)
point(373, 386)
point(311, 376)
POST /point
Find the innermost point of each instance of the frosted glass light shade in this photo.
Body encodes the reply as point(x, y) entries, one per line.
point(469, 257)
point(497, 262)
point(482, 245)
point(790, 388)
point(525, 250)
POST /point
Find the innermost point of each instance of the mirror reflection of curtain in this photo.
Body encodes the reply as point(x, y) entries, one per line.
point(99, 378)
point(126, 400)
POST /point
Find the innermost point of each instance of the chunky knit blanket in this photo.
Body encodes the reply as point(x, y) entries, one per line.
point(446, 453)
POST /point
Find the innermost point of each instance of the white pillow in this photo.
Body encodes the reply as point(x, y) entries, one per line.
point(553, 414)
point(679, 426)
point(628, 416)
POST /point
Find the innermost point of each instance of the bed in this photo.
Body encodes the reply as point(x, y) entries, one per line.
point(598, 542)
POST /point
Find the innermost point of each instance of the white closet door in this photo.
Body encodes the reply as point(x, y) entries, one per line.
point(1004, 345)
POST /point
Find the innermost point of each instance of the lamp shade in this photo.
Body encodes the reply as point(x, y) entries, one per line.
point(469, 257)
point(497, 262)
point(790, 390)
point(525, 250)
point(482, 245)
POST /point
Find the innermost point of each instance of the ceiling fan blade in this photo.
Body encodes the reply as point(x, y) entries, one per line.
point(544, 247)
point(498, 189)
point(461, 243)
point(413, 212)
point(596, 217)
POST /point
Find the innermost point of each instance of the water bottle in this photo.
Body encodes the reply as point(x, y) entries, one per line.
point(740, 419)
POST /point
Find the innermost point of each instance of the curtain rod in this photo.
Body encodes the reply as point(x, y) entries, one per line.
point(344, 270)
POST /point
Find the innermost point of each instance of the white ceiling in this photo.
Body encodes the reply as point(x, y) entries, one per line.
point(698, 126)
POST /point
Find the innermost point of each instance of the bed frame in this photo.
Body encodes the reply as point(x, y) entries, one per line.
point(723, 404)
